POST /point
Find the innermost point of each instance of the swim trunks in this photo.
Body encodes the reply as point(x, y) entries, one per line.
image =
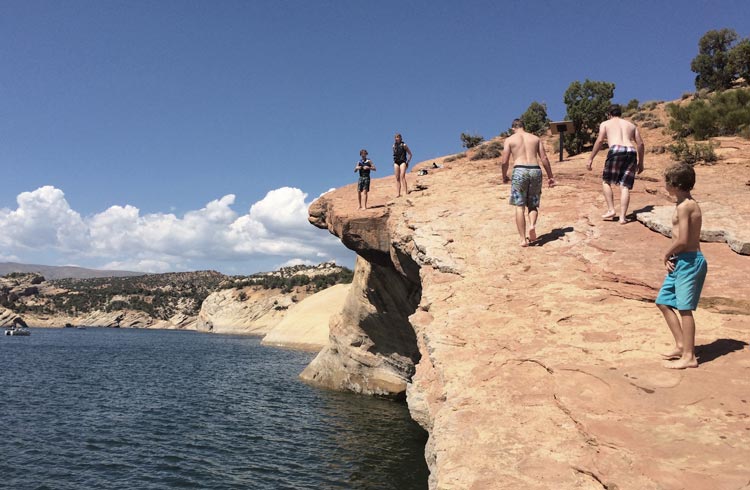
point(682, 287)
point(620, 166)
point(364, 183)
point(526, 186)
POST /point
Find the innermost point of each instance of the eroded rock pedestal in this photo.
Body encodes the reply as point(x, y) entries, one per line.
point(539, 367)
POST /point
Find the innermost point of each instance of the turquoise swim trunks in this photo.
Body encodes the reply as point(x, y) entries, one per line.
point(682, 287)
point(526, 186)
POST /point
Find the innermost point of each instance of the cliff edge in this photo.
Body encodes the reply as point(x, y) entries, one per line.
point(538, 368)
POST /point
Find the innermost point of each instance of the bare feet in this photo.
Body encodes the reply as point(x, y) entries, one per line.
point(532, 234)
point(681, 363)
point(609, 214)
point(623, 221)
point(676, 353)
point(525, 242)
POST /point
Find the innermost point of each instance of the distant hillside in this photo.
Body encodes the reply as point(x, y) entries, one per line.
point(62, 272)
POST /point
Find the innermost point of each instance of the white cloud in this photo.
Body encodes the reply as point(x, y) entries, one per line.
point(120, 237)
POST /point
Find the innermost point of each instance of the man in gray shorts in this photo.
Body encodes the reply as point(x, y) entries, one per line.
point(526, 185)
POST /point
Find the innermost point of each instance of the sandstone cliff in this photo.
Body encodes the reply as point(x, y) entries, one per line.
point(305, 326)
point(538, 368)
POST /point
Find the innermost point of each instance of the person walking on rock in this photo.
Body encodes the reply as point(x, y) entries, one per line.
point(526, 185)
point(624, 160)
point(401, 159)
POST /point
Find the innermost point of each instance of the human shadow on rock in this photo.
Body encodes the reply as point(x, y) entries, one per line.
point(717, 348)
point(634, 214)
point(551, 236)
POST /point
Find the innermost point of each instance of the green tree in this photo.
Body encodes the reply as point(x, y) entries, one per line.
point(739, 59)
point(712, 66)
point(587, 104)
point(535, 118)
point(470, 141)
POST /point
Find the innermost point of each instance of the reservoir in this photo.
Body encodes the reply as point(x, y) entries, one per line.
point(157, 409)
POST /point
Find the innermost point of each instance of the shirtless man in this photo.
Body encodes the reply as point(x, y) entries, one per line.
point(526, 186)
point(620, 167)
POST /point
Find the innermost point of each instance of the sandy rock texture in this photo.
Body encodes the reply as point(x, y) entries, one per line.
point(305, 326)
point(539, 367)
point(244, 311)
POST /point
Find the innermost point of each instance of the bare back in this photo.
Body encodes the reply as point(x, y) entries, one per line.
point(524, 147)
point(619, 132)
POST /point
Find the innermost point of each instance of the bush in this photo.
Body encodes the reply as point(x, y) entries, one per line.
point(631, 108)
point(455, 157)
point(724, 113)
point(682, 151)
point(493, 149)
point(470, 141)
point(587, 105)
point(535, 118)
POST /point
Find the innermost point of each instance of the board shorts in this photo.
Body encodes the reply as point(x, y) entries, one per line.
point(620, 166)
point(682, 287)
point(526, 186)
point(364, 183)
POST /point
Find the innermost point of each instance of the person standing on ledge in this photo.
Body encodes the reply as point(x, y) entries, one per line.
point(400, 163)
point(526, 187)
point(625, 145)
point(364, 166)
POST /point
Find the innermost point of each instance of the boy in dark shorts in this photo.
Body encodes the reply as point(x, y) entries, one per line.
point(364, 166)
point(686, 268)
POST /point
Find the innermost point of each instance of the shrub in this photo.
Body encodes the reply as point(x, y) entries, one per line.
point(631, 108)
point(682, 151)
point(493, 149)
point(535, 118)
point(455, 157)
point(470, 141)
point(587, 105)
point(724, 113)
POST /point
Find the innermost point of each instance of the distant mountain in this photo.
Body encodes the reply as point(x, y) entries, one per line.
point(62, 272)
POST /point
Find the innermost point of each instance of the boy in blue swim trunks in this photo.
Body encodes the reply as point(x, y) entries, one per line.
point(686, 268)
point(364, 166)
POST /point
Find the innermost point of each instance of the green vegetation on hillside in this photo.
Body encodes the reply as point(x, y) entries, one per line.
point(535, 118)
point(587, 104)
point(721, 60)
point(721, 114)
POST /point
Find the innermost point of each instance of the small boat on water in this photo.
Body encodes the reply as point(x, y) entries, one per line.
point(18, 331)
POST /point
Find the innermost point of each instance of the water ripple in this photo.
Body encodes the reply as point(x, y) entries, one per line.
point(117, 409)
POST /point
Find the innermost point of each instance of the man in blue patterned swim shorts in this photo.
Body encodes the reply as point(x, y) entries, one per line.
point(364, 166)
point(526, 185)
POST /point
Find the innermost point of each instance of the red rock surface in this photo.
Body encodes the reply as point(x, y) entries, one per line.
point(539, 366)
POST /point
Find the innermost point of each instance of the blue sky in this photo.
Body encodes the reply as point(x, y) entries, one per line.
point(140, 134)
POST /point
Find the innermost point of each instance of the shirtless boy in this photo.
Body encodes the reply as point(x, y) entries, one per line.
point(620, 167)
point(526, 187)
point(686, 268)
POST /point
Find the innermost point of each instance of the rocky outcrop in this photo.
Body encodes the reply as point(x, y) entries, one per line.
point(372, 347)
point(245, 311)
point(720, 224)
point(538, 367)
point(305, 326)
point(9, 318)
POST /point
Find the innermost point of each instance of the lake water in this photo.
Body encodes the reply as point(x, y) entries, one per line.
point(149, 409)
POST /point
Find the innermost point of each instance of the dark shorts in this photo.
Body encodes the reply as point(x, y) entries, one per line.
point(364, 183)
point(682, 287)
point(401, 163)
point(526, 186)
point(620, 166)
